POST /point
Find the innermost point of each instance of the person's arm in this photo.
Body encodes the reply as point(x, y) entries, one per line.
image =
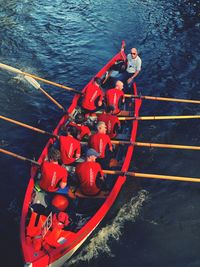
point(110, 144)
point(135, 74)
point(78, 151)
point(101, 98)
point(123, 97)
point(62, 185)
point(63, 182)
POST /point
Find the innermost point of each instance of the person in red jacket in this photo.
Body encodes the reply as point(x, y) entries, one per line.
point(101, 142)
point(70, 147)
point(112, 122)
point(53, 176)
point(90, 175)
point(115, 96)
point(92, 96)
point(79, 124)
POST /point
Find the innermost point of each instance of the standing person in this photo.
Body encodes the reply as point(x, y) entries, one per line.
point(70, 147)
point(53, 176)
point(115, 97)
point(101, 142)
point(112, 122)
point(92, 96)
point(90, 175)
point(133, 68)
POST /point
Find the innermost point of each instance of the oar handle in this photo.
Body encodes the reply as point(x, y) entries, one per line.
point(19, 156)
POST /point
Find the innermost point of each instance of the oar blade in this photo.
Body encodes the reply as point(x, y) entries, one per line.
point(33, 82)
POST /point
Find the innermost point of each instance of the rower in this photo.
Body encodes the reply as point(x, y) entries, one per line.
point(79, 124)
point(112, 122)
point(70, 147)
point(53, 176)
point(115, 97)
point(90, 175)
point(101, 142)
point(92, 97)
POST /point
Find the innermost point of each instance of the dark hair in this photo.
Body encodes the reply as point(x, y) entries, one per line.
point(72, 130)
point(53, 154)
point(110, 108)
point(97, 80)
point(79, 118)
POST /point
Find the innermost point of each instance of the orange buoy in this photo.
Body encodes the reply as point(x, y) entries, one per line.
point(60, 202)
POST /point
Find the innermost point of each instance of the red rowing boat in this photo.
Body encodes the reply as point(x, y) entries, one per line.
point(70, 241)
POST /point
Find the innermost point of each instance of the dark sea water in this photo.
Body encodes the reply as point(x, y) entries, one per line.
point(68, 42)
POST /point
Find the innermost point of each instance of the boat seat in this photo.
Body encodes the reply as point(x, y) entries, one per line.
point(102, 194)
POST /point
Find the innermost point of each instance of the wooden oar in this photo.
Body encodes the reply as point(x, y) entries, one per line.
point(9, 68)
point(28, 126)
point(36, 85)
point(119, 142)
point(164, 99)
point(147, 118)
point(154, 176)
point(18, 156)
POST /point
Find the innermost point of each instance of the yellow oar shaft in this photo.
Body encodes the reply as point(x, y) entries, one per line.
point(164, 99)
point(118, 142)
point(146, 118)
point(166, 146)
point(9, 68)
point(52, 99)
point(27, 126)
point(52, 83)
point(18, 156)
point(155, 176)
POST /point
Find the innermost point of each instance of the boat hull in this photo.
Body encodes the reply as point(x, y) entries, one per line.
point(57, 257)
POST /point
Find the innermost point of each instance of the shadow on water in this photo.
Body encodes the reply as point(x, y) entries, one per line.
point(68, 42)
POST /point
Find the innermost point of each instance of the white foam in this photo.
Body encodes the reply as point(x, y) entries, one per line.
point(99, 243)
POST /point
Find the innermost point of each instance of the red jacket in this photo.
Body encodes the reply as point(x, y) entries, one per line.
point(87, 174)
point(52, 175)
point(111, 121)
point(90, 95)
point(70, 149)
point(82, 129)
point(99, 141)
point(112, 98)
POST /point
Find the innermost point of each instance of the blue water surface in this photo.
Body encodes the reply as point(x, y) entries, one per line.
point(69, 42)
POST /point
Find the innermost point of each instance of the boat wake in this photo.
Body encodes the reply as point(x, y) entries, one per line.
point(100, 242)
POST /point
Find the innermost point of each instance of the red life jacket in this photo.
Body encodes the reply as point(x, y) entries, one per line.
point(99, 141)
point(112, 99)
point(70, 148)
point(34, 230)
point(90, 95)
point(52, 175)
point(111, 122)
point(87, 174)
point(60, 220)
